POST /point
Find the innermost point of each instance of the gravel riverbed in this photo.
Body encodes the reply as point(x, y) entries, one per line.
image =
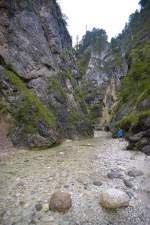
point(82, 168)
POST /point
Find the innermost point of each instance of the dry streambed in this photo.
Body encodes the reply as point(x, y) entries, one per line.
point(84, 169)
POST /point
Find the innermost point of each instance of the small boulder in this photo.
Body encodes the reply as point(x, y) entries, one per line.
point(142, 142)
point(114, 198)
point(136, 137)
point(135, 173)
point(60, 201)
point(147, 133)
point(146, 149)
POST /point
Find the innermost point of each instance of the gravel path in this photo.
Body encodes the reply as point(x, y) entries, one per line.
point(79, 167)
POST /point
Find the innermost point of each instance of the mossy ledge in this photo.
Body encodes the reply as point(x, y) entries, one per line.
point(42, 111)
point(35, 126)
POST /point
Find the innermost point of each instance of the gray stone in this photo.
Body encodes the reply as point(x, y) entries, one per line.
point(130, 194)
point(146, 122)
point(136, 137)
point(97, 183)
point(143, 142)
point(128, 183)
point(115, 174)
point(135, 173)
point(114, 198)
point(145, 185)
point(146, 149)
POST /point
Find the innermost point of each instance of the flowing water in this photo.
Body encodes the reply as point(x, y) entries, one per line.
point(28, 178)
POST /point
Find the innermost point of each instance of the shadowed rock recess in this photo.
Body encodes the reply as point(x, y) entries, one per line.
point(39, 75)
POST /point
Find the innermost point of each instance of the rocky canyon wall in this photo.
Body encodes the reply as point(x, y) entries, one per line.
point(39, 75)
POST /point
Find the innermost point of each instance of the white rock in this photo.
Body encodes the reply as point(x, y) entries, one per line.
point(114, 198)
point(61, 153)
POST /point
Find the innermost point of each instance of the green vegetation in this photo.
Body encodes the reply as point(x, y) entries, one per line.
point(67, 54)
point(145, 94)
point(95, 39)
point(3, 109)
point(69, 75)
point(56, 86)
point(136, 85)
point(135, 45)
point(30, 110)
point(79, 93)
point(74, 118)
point(133, 119)
point(137, 30)
point(145, 3)
point(95, 112)
point(116, 48)
point(82, 62)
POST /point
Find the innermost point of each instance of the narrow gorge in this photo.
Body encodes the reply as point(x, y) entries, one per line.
point(61, 106)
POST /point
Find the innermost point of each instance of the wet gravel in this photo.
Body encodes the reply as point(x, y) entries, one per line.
point(81, 167)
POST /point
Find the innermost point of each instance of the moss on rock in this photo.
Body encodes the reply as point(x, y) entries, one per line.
point(31, 101)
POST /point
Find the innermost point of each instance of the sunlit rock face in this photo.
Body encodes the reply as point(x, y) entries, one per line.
point(102, 66)
point(103, 73)
point(96, 69)
point(37, 49)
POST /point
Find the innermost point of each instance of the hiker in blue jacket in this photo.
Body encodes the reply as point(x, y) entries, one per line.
point(120, 133)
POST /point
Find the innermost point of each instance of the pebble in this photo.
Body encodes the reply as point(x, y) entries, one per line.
point(45, 207)
point(61, 153)
point(114, 174)
point(38, 206)
point(128, 183)
point(97, 183)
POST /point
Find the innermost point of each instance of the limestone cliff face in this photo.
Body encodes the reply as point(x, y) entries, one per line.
point(102, 66)
point(96, 69)
point(102, 77)
point(38, 74)
point(109, 101)
point(33, 35)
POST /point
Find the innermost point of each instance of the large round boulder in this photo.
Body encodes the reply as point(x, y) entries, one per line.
point(114, 198)
point(60, 202)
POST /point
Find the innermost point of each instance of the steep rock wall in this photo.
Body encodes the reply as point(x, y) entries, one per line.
point(132, 113)
point(38, 74)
